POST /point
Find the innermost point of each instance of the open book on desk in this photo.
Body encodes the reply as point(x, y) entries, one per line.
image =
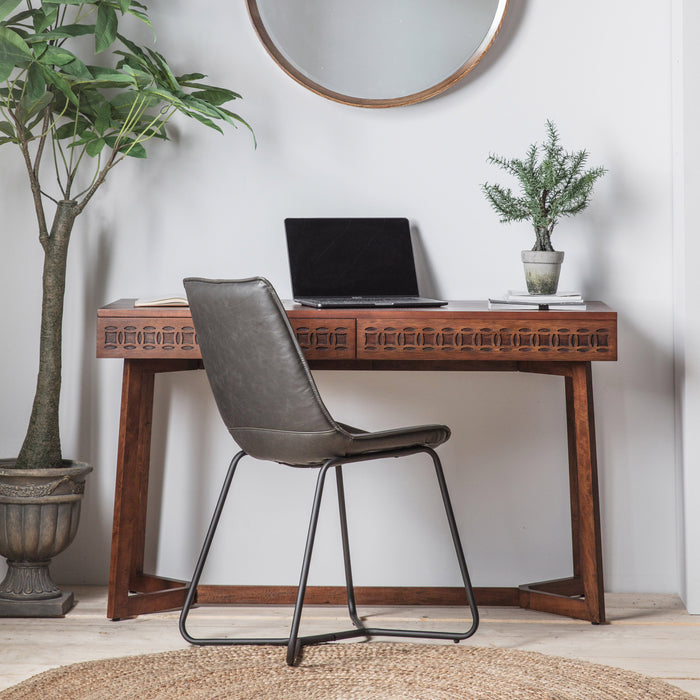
point(163, 300)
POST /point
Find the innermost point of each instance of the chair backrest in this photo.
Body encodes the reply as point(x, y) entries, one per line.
point(260, 380)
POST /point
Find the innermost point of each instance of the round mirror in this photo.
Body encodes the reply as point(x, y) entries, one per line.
point(377, 53)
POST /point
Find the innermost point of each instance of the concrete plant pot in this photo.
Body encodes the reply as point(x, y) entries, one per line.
point(542, 268)
point(39, 514)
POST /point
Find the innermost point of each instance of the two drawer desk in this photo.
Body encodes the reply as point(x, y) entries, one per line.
point(462, 336)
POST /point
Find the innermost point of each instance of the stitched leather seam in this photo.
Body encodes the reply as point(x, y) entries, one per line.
point(286, 432)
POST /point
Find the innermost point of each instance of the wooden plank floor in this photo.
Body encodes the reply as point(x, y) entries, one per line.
point(650, 634)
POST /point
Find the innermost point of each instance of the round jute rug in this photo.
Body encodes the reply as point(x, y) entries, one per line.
point(359, 671)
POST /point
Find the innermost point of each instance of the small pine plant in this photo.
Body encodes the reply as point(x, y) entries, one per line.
point(553, 187)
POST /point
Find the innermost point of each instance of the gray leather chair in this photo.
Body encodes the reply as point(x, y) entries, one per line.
point(270, 404)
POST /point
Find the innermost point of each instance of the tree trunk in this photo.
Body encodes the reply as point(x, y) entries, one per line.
point(42, 444)
point(543, 239)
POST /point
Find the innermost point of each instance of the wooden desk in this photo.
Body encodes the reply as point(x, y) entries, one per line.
point(463, 336)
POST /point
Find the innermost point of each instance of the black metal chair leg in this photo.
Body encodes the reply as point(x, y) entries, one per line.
point(457, 544)
point(294, 644)
point(352, 607)
point(192, 591)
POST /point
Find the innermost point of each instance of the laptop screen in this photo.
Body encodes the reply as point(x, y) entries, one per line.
point(351, 257)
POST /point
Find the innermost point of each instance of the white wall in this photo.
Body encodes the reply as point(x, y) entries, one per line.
point(213, 206)
point(687, 256)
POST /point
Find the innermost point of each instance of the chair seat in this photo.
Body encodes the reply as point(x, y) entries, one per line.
point(311, 449)
point(363, 442)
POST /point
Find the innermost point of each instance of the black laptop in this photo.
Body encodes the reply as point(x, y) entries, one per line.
point(353, 263)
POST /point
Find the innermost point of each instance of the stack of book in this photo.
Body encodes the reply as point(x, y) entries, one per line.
point(567, 301)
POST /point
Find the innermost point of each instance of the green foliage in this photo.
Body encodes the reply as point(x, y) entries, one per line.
point(48, 92)
point(89, 117)
point(552, 186)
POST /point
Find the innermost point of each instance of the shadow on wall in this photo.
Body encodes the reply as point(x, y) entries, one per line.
point(511, 24)
point(427, 286)
point(78, 563)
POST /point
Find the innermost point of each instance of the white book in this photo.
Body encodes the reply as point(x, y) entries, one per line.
point(163, 300)
point(558, 298)
point(508, 304)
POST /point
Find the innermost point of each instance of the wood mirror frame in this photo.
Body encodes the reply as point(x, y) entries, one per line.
point(359, 101)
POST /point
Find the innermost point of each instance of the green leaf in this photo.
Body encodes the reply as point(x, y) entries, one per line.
point(76, 69)
point(67, 32)
point(135, 150)
point(204, 107)
point(61, 83)
point(13, 51)
point(6, 6)
point(44, 19)
point(20, 17)
point(32, 107)
point(104, 117)
point(141, 78)
point(95, 147)
point(62, 2)
point(233, 118)
point(70, 129)
point(115, 78)
point(160, 94)
point(202, 119)
point(36, 85)
point(189, 77)
point(215, 96)
point(31, 123)
point(165, 71)
point(124, 5)
point(56, 56)
point(7, 129)
point(105, 28)
point(134, 48)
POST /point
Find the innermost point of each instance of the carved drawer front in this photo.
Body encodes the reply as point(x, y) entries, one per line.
point(146, 338)
point(175, 337)
point(330, 339)
point(438, 339)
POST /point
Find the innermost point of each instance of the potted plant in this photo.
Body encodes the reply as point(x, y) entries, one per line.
point(88, 118)
point(554, 183)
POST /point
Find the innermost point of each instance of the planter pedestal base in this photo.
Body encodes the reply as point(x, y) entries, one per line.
point(50, 607)
point(39, 514)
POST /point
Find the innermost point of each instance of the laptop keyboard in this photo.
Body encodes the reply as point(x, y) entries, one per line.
point(330, 302)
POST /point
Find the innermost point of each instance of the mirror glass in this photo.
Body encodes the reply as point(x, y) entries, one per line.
point(377, 52)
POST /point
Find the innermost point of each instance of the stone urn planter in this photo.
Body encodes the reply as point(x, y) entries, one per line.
point(542, 268)
point(39, 514)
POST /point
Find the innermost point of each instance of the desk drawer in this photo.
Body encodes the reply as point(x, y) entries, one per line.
point(326, 338)
point(147, 338)
point(520, 340)
point(156, 338)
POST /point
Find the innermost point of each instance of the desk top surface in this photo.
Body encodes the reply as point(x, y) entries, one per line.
point(476, 309)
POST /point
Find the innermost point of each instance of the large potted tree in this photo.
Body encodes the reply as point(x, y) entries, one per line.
point(56, 101)
point(554, 183)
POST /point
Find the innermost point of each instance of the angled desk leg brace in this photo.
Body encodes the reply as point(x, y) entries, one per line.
point(581, 595)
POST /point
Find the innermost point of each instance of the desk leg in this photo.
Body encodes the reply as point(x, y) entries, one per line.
point(580, 596)
point(588, 550)
point(130, 499)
